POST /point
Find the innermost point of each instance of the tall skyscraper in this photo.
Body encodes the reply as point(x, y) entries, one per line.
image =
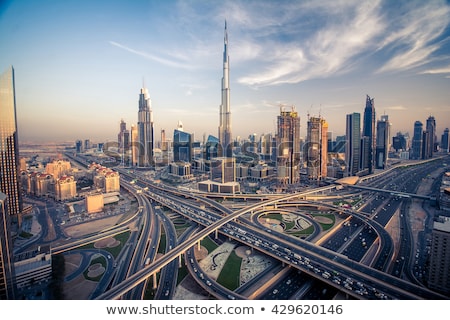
point(369, 132)
point(445, 141)
point(288, 145)
point(9, 151)
point(431, 129)
point(382, 145)
point(225, 113)
point(353, 145)
point(145, 129)
point(6, 252)
point(316, 148)
point(417, 141)
point(123, 137)
point(182, 146)
point(134, 145)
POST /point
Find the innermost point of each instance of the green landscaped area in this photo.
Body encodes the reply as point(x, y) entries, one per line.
point(325, 226)
point(114, 251)
point(209, 244)
point(229, 277)
point(98, 260)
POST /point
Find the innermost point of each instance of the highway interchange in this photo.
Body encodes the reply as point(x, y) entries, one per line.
point(356, 258)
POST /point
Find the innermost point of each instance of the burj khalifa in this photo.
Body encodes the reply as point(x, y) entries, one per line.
point(225, 114)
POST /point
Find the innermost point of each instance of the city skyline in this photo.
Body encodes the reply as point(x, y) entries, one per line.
point(322, 57)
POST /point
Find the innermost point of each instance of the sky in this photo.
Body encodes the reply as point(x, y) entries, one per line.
point(79, 65)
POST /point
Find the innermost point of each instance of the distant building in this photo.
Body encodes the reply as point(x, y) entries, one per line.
point(382, 142)
point(368, 133)
point(145, 130)
point(65, 188)
point(417, 141)
point(134, 146)
point(353, 144)
point(94, 202)
point(58, 168)
point(182, 146)
point(41, 184)
point(288, 147)
point(439, 272)
point(105, 178)
point(223, 169)
point(445, 141)
point(431, 143)
point(181, 169)
point(316, 148)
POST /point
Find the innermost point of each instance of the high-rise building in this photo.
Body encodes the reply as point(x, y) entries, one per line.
point(399, 142)
point(431, 129)
point(353, 145)
point(288, 146)
point(445, 141)
point(123, 137)
point(316, 148)
point(7, 289)
point(182, 146)
point(225, 113)
point(9, 145)
point(367, 160)
point(439, 272)
point(134, 146)
point(145, 130)
point(382, 146)
point(417, 141)
point(122, 128)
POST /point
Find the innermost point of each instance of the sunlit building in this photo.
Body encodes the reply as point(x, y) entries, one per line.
point(58, 168)
point(7, 287)
point(9, 152)
point(145, 130)
point(316, 148)
point(288, 147)
point(65, 188)
point(94, 202)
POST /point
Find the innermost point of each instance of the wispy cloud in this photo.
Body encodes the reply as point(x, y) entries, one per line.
point(396, 108)
point(149, 56)
point(331, 48)
point(437, 71)
point(414, 34)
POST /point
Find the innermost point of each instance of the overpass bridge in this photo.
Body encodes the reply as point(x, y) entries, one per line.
point(319, 257)
point(393, 192)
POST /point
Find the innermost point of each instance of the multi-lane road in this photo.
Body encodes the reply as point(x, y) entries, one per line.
point(357, 258)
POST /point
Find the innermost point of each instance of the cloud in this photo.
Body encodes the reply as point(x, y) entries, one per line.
point(437, 71)
point(397, 108)
point(416, 35)
point(148, 56)
point(330, 48)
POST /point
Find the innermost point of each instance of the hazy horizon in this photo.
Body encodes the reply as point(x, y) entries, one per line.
point(79, 66)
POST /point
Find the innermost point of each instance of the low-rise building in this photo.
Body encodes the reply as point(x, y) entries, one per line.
point(32, 267)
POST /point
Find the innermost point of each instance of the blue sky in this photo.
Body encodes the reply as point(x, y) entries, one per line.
point(80, 64)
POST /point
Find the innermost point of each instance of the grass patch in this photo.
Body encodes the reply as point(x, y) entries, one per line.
point(229, 277)
point(102, 260)
point(326, 226)
point(114, 251)
point(208, 244)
